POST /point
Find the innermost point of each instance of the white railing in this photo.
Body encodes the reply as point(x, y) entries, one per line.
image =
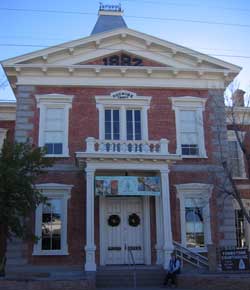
point(190, 257)
point(127, 147)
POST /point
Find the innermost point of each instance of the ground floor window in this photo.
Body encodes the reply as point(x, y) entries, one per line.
point(194, 224)
point(51, 220)
point(240, 229)
point(195, 214)
point(52, 225)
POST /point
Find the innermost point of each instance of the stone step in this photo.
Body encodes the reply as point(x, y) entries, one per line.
point(16, 261)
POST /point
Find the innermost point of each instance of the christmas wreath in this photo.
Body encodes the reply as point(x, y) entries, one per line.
point(134, 220)
point(114, 220)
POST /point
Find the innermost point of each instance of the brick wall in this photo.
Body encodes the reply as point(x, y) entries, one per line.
point(83, 123)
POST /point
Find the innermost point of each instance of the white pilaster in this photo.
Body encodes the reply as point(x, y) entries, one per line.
point(166, 215)
point(101, 122)
point(159, 230)
point(90, 247)
point(145, 123)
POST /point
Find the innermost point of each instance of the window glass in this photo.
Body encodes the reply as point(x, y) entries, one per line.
point(194, 223)
point(51, 225)
point(54, 130)
point(189, 133)
point(112, 124)
point(235, 161)
point(133, 124)
point(240, 230)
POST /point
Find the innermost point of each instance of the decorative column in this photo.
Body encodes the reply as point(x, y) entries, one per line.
point(159, 230)
point(90, 247)
point(166, 216)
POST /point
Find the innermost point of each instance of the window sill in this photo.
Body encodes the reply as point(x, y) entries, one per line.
point(194, 156)
point(240, 178)
point(51, 253)
point(57, 156)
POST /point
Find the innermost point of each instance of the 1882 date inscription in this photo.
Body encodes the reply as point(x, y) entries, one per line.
point(122, 60)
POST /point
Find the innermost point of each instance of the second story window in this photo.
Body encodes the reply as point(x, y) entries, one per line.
point(112, 124)
point(54, 130)
point(54, 123)
point(123, 116)
point(189, 133)
point(133, 124)
point(190, 142)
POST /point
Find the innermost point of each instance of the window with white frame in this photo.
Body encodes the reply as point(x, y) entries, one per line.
point(189, 132)
point(112, 124)
point(242, 227)
point(54, 123)
point(235, 156)
point(51, 220)
point(123, 118)
point(189, 126)
point(133, 120)
point(195, 214)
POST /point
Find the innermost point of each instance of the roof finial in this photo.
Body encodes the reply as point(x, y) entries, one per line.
point(110, 8)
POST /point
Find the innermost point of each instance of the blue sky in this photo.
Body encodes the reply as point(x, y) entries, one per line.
point(220, 28)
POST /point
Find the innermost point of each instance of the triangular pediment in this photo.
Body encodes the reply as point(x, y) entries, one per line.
point(122, 58)
point(147, 49)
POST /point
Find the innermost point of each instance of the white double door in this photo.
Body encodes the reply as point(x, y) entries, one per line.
point(127, 234)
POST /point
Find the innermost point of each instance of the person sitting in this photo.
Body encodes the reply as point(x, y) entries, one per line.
point(173, 270)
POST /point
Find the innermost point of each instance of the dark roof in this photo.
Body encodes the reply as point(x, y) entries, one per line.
point(108, 22)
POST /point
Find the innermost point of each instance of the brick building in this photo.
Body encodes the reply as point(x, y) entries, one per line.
point(132, 122)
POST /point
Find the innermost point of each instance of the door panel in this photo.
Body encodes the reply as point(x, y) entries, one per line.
point(123, 236)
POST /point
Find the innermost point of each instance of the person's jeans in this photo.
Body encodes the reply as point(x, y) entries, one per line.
point(172, 276)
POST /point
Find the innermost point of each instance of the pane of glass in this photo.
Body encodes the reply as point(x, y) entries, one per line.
point(58, 148)
point(137, 116)
point(115, 115)
point(51, 225)
point(107, 115)
point(46, 244)
point(49, 148)
point(108, 130)
point(129, 115)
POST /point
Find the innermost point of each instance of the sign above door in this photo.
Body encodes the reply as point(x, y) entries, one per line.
point(127, 185)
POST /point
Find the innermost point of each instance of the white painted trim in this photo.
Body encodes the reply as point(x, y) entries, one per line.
point(146, 230)
point(246, 203)
point(119, 81)
point(57, 101)
point(62, 192)
point(195, 190)
point(159, 230)
point(141, 103)
point(114, 34)
point(197, 105)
